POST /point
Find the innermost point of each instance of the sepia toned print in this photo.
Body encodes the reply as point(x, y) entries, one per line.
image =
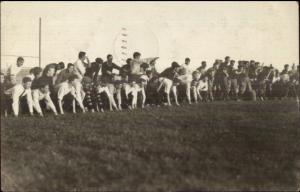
point(150, 96)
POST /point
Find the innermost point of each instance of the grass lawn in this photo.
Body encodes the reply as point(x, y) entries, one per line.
point(208, 146)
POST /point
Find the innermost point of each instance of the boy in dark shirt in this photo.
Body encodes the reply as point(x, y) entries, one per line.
point(125, 70)
point(93, 71)
point(232, 80)
point(107, 68)
point(223, 78)
point(170, 72)
point(166, 80)
point(37, 73)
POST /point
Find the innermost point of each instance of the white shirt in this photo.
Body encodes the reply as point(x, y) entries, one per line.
point(188, 76)
point(16, 92)
point(203, 86)
point(136, 66)
point(275, 79)
point(187, 68)
point(285, 77)
point(80, 68)
point(14, 70)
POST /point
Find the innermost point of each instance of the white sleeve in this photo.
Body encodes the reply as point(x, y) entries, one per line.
point(79, 68)
point(50, 103)
point(11, 70)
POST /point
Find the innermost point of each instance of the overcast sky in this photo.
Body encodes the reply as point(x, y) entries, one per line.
point(263, 31)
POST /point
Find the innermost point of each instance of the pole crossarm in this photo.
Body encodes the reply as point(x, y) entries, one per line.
point(29, 56)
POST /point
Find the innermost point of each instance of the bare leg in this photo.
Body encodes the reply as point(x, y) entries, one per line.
point(60, 107)
point(194, 92)
point(199, 94)
point(74, 106)
point(112, 103)
point(144, 97)
point(119, 99)
point(188, 92)
point(174, 89)
point(134, 100)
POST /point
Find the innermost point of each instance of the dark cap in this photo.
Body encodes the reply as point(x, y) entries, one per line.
point(136, 54)
point(128, 60)
point(81, 54)
point(72, 77)
point(175, 64)
point(99, 60)
point(26, 79)
point(145, 65)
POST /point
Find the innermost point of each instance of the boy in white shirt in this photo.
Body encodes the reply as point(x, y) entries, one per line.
point(18, 92)
point(187, 78)
point(80, 64)
point(194, 85)
point(14, 69)
point(42, 93)
point(203, 88)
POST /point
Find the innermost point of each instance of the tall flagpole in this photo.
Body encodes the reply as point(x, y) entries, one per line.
point(40, 41)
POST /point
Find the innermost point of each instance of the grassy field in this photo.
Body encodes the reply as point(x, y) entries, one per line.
point(210, 146)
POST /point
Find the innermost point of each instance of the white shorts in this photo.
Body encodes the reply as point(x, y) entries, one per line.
point(167, 84)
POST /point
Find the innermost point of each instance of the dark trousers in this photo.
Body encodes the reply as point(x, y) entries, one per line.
point(6, 104)
point(204, 95)
point(68, 102)
point(221, 88)
point(153, 97)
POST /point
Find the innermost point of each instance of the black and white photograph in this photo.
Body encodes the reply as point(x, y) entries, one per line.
point(150, 96)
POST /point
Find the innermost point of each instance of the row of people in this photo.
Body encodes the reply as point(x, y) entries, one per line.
point(92, 86)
